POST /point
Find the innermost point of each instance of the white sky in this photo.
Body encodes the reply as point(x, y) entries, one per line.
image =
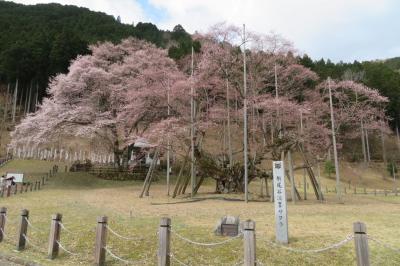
point(337, 29)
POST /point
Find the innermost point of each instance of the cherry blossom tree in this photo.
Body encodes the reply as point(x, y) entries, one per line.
point(117, 95)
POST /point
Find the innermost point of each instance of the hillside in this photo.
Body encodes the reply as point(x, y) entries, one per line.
point(49, 36)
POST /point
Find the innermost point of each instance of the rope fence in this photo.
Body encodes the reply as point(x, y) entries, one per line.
point(165, 256)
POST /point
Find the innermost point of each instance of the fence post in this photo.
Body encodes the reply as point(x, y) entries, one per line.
point(361, 243)
point(15, 189)
point(54, 236)
point(101, 240)
point(38, 185)
point(8, 191)
point(3, 213)
point(23, 228)
point(164, 242)
point(249, 237)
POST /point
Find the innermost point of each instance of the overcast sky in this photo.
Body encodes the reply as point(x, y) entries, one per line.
point(344, 30)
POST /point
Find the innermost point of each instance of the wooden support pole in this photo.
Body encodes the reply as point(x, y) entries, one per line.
point(164, 242)
point(23, 229)
point(249, 238)
point(54, 236)
point(101, 240)
point(361, 243)
point(3, 213)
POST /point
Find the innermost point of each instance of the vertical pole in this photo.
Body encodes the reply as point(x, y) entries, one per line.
point(291, 175)
point(361, 243)
point(15, 189)
point(192, 133)
point(305, 184)
point(249, 238)
point(101, 239)
point(164, 242)
point(335, 155)
point(23, 229)
point(246, 195)
point(3, 213)
point(168, 142)
point(54, 236)
point(228, 118)
point(15, 102)
point(8, 191)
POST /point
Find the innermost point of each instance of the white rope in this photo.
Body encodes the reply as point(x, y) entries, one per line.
point(120, 236)
point(384, 244)
point(64, 228)
point(33, 245)
point(31, 226)
point(171, 255)
point(63, 248)
point(333, 246)
point(205, 244)
point(123, 260)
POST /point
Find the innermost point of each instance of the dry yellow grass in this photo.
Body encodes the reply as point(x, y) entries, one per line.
point(81, 198)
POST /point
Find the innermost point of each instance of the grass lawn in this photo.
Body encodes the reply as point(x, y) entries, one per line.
point(80, 198)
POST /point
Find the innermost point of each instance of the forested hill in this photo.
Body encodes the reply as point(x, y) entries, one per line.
point(383, 75)
point(38, 41)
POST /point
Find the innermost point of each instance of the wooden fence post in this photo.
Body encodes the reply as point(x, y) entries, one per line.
point(8, 191)
point(3, 213)
point(23, 229)
point(15, 189)
point(249, 237)
point(54, 236)
point(101, 240)
point(361, 243)
point(164, 242)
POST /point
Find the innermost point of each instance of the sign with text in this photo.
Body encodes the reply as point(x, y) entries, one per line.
point(281, 221)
